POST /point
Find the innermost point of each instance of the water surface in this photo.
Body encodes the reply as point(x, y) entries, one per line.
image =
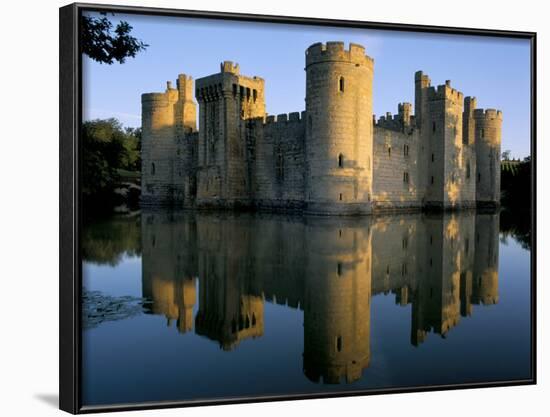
point(190, 306)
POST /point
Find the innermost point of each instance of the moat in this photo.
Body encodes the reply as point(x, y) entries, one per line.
point(186, 306)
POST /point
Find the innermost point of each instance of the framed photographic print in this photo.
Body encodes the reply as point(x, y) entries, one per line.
point(259, 208)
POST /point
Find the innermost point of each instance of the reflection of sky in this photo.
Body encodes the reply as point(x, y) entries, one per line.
point(494, 70)
point(142, 359)
point(125, 281)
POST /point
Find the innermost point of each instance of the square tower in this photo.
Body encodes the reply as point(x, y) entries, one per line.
point(225, 100)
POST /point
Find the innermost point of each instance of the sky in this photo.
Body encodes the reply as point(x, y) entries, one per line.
point(494, 70)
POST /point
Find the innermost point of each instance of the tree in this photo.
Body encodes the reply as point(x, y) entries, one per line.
point(107, 148)
point(506, 155)
point(105, 45)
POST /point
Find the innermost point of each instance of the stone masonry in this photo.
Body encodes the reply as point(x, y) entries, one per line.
point(332, 158)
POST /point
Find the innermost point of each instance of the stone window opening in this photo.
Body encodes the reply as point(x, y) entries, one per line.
point(254, 95)
point(234, 90)
point(406, 177)
point(339, 343)
point(433, 127)
point(341, 84)
point(404, 270)
point(340, 161)
point(482, 133)
point(340, 196)
point(389, 151)
point(432, 180)
point(406, 150)
point(478, 177)
point(433, 157)
point(339, 269)
point(280, 167)
point(153, 168)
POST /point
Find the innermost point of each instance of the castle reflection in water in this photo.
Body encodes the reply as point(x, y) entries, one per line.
point(225, 267)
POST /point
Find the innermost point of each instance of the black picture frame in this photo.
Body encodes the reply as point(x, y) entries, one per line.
point(70, 265)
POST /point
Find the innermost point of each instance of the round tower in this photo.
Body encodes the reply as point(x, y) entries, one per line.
point(488, 126)
point(158, 145)
point(339, 129)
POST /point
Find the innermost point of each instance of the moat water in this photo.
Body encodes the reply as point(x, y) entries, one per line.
point(191, 306)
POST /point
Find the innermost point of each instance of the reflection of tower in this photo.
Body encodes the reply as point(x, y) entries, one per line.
point(227, 312)
point(337, 300)
point(448, 261)
point(339, 130)
point(169, 267)
point(485, 279)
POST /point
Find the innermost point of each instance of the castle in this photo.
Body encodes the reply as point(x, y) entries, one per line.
point(332, 158)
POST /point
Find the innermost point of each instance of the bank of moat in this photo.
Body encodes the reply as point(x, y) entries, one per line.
point(332, 158)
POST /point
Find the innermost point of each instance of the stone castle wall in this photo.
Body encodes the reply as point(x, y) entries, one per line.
point(332, 158)
point(277, 159)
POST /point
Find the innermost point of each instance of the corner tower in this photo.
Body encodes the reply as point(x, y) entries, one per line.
point(339, 129)
point(226, 99)
point(166, 119)
point(488, 125)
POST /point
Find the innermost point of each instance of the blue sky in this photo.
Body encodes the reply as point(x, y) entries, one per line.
point(494, 70)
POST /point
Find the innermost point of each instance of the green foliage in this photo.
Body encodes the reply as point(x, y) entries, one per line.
point(107, 149)
point(515, 183)
point(105, 241)
point(515, 218)
point(105, 45)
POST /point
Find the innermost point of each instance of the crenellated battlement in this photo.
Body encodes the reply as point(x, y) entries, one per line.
point(399, 122)
point(336, 51)
point(153, 97)
point(445, 92)
point(292, 117)
point(487, 114)
point(470, 104)
point(229, 66)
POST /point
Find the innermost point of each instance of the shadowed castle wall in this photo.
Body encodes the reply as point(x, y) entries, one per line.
point(488, 138)
point(396, 179)
point(277, 161)
point(225, 100)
